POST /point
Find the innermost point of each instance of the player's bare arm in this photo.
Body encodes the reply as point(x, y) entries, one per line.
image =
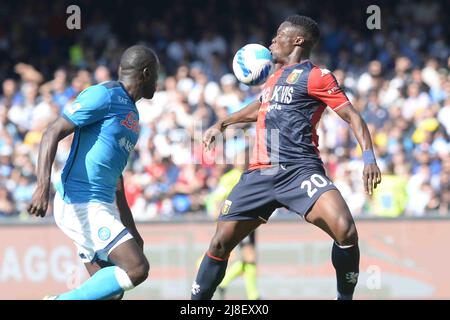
point(245, 115)
point(57, 131)
point(125, 213)
point(371, 173)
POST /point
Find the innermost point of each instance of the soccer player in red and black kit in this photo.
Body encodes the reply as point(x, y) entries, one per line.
point(287, 170)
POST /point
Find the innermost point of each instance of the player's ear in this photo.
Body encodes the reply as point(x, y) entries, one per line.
point(146, 73)
point(299, 41)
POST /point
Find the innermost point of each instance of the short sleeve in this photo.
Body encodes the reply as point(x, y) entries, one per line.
point(323, 86)
point(90, 106)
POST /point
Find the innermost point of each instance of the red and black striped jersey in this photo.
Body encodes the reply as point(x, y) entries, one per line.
point(292, 102)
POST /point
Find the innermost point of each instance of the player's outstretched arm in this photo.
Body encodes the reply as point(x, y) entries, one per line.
point(247, 114)
point(125, 213)
point(371, 173)
point(57, 131)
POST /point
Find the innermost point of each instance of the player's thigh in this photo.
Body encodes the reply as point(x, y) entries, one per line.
point(252, 198)
point(128, 256)
point(111, 241)
point(92, 268)
point(229, 233)
point(95, 228)
point(331, 213)
point(298, 190)
point(250, 203)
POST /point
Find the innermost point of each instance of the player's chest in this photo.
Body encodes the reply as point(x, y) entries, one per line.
point(288, 90)
point(284, 100)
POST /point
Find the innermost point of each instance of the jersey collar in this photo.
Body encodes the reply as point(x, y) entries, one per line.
point(126, 92)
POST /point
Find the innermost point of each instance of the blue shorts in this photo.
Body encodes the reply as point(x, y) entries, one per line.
point(259, 192)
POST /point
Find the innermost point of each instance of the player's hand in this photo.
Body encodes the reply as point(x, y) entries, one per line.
point(210, 135)
point(39, 202)
point(371, 177)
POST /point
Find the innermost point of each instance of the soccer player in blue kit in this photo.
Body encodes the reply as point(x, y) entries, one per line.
point(287, 170)
point(105, 120)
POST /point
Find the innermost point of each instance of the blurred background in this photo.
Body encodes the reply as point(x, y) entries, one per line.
point(397, 77)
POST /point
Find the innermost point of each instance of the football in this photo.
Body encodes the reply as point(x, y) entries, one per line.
point(252, 64)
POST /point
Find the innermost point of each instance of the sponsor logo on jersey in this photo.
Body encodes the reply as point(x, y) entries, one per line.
point(125, 143)
point(294, 76)
point(131, 122)
point(226, 207)
point(104, 233)
point(282, 94)
point(265, 94)
point(274, 106)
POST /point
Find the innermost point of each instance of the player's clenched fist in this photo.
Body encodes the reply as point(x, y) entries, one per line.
point(39, 202)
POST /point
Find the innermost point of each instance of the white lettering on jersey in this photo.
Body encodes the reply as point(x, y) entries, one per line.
point(275, 93)
point(324, 72)
point(282, 94)
point(265, 95)
point(333, 90)
point(123, 100)
point(274, 106)
point(125, 143)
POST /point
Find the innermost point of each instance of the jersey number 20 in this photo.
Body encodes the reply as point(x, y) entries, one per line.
point(316, 180)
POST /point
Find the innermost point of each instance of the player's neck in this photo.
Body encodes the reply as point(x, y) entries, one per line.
point(131, 88)
point(297, 56)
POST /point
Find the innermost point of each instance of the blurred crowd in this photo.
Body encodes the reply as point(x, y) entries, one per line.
point(397, 77)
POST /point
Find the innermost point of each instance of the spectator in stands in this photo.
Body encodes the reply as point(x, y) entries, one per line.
point(399, 80)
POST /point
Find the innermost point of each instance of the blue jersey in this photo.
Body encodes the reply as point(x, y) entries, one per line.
point(107, 129)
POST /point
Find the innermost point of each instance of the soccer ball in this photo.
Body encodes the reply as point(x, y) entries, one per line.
point(252, 64)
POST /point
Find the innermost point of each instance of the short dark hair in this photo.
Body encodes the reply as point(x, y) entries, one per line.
point(308, 27)
point(138, 57)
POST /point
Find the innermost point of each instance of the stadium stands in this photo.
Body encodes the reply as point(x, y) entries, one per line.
point(398, 77)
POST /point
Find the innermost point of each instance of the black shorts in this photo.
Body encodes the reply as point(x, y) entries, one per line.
point(259, 192)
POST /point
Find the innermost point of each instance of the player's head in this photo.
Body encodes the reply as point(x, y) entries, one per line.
point(295, 32)
point(139, 66)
